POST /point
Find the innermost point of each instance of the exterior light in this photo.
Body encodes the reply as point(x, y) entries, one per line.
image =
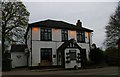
point(35, 29)
point(72, 33)
point(88, 34)
point(55, 30)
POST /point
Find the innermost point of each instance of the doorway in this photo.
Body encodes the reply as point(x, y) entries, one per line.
point(46, 57)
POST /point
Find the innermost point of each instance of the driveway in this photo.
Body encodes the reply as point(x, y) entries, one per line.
point(98, 71)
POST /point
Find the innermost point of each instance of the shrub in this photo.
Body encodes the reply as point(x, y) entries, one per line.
point(112, 56)
point(96, 56)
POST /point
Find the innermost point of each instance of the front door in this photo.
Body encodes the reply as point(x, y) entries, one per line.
point(83, 57)
point(46, 57)
point(62, 59)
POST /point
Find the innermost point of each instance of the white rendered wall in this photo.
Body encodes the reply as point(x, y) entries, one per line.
point(29, 46)
point(18, 59)
point(56, 35)
point(54, 44)
point(36, 33)
point(88, 39)
point(59, 57)
point(36, 47)
point(29, 39)
point(71, 34)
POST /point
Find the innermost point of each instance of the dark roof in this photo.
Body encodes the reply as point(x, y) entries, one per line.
point(18, 48)
point(65, 45)
point(57, 24)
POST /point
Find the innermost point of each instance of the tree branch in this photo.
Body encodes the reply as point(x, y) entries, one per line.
point(9, 29)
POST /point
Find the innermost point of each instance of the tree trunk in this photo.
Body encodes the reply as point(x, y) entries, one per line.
point(3, 42)
point(3, 45)
point(3, 38)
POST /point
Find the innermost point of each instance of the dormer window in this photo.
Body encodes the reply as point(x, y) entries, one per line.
point(46, 34)
point(81, 36)
point(64, 35)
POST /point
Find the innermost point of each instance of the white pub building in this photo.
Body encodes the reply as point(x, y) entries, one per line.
point(58, 43)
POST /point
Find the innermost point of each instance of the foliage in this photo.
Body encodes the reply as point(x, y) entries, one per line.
point(14, 22)
point(112, 56)
point(113, 29)
point(96, 56)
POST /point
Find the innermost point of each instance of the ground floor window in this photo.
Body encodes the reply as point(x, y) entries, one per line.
point(46, 54)
point(72, 54)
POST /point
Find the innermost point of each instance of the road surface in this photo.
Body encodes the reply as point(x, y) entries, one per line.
point(98, 71)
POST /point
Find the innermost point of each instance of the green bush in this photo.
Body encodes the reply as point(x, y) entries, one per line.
point(96, 56)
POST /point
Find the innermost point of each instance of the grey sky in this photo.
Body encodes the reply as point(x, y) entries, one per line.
point(94, 15)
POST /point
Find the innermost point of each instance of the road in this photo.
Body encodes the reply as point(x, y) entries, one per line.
point(98, 71)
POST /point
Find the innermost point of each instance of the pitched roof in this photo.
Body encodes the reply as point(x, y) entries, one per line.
point(65, 44)
point(18, 48)
point(58, 24)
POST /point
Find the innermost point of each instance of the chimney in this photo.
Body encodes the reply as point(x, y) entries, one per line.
point(79, 23)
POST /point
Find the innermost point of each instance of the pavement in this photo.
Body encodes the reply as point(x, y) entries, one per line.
point(59, 71)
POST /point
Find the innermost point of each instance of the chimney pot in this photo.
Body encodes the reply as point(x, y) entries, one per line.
point(79, 23)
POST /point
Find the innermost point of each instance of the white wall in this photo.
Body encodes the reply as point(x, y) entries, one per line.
point(36, 33)
point(54, 44)
point(88, 39)
point(71, 34)
point(56, 34)
point(18, 59)
point(59, 57)
point(72, 62)
point(29, 39)
point(29, 45)
point(37, 45)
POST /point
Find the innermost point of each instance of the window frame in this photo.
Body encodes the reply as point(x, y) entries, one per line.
point(81, 36)
point(46, 51)
point(64, 35)
point(46, 34)
point(73, 52)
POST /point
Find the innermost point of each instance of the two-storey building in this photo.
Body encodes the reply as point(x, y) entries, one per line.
point(58, 43)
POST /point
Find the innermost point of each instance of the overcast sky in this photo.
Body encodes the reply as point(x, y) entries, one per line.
point(94, 15)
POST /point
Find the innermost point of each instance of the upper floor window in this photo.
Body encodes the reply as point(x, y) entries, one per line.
point(80, 36)
point(46, 34)
point(64, 35)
